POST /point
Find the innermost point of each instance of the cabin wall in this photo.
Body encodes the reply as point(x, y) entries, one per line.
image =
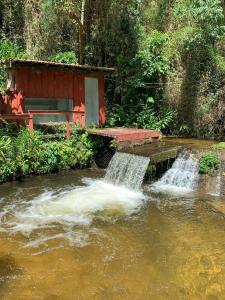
point(58, 85)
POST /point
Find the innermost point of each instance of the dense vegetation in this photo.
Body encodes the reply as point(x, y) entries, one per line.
point(170, 55)
point(209, 163)
point(30, 153)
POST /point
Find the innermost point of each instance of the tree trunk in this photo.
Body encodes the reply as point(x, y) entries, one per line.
point(82, 33)
point(223, 5)
point(80, 22)
point(32, 31)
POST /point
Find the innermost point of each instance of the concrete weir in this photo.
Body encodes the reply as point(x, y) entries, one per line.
point(140, 142)
point(145, 143)
point(157, 152)
point(161, 156)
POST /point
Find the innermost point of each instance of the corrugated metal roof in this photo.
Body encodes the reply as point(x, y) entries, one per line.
point(42, 63)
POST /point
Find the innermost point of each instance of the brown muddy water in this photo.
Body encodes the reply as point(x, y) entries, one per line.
point(73, 236)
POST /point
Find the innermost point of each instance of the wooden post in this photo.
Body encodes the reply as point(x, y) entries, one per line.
point(67, 126)
point(31, 122)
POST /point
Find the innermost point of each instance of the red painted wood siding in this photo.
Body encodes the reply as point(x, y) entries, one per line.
point(65, 85)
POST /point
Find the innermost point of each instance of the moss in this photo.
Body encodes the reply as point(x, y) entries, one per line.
point(209, 163)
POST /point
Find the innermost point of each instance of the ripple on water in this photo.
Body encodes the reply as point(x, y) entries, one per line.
point(66, 209)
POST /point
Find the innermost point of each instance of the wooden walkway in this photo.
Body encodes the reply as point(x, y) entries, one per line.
point(126, 136)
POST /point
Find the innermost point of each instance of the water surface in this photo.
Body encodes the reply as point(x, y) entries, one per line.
point(66, 237)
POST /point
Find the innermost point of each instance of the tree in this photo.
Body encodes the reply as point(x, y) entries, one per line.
point(32, 27)
point(80, 22)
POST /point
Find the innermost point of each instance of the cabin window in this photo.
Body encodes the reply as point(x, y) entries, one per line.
point(49, 104)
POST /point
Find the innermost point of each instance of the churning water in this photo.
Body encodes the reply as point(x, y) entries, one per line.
point(182, 177)
point(127, 170)
point(79, 206)
point(105, 199)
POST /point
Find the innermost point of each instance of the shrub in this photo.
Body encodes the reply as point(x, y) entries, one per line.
point(8, 50)
point(8, 165)
point(29, 154)
point(143, 116)
point(64, 57)
point(220, 146)
point(140, 81)
point(209, 163)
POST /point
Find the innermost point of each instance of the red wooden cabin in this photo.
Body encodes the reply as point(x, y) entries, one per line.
point(45, 92)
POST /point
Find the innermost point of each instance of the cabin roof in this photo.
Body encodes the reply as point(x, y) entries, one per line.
point(15, 63)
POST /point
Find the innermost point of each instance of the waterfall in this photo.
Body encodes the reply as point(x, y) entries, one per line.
point(182, 176)
point(127, 170)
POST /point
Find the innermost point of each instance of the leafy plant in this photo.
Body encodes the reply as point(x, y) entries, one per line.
point(29, 153)
point(64, 57)
point(114, 145)
point(209, 163)
point(220, 146)
point(8, 165)
point(140, 81)
point(149, 119)
point(184, 129)
point(8, 50)
point(207, 15)
point(143, 116)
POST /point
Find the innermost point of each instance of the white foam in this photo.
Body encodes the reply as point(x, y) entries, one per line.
point(79, 206)
point(170, 189)
point(181, 178)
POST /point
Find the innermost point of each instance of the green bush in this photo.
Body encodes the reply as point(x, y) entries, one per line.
point(144, 116)
point(8, 155)
point(220, 146)
point(209, 163)
point(140, 82)
point(64, 57)
point(8, 50)
point(29, 154)
point(207, 16)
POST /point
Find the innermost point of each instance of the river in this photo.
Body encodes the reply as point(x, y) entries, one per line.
point(75, 236)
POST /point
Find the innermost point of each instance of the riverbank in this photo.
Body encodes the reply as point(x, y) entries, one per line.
point(24, 154)
point(29, 154)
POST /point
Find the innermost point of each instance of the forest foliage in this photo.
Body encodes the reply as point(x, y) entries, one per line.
point(169, 55)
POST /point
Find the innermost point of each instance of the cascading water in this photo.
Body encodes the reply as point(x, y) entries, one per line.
point(106, 199)
point(183, 175)
point(127, 170)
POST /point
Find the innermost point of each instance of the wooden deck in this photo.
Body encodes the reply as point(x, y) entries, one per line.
point(126, 136)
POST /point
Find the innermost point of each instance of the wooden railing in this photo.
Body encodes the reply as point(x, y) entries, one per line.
point(30, 117)
point(14, 116)
point(19, 118)
point(67, 115)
